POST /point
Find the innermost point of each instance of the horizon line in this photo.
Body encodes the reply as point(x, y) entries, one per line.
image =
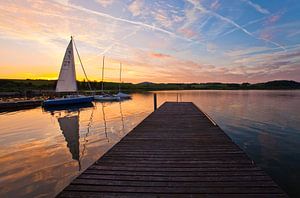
point(156, 82)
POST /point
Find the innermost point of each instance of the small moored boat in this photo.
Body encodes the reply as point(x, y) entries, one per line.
point(106, 97)
point(103, 96)
point(122, 96)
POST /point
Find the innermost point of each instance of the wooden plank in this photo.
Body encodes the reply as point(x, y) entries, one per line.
point(71, 194)
point(175, 189)
point(175, 152)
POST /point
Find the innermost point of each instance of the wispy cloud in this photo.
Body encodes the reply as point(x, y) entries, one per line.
point(227, 20)
point(105, 3)
point(244, 26)
point(117, 42)
point(215, 5)
point(257, 7)
point(159, 55)
point(132, 22)
point(136, 7)
point(137, 23)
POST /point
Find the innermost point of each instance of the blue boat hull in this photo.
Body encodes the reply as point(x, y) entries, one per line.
point(67, 101)
point(69, 108)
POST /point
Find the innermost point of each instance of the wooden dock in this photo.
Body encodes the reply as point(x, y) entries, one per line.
point(175, 152)
point(16, 105)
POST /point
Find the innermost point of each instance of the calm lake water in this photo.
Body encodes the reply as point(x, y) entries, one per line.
point(42, 151)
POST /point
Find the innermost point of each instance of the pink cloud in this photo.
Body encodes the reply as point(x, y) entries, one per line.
point(267, 35)
point(215, 5)
point(136, 7)
point(105, 3)
point(159, 55)
point(187, 32)
point(274, 18)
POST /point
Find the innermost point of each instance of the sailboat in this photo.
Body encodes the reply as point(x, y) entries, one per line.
point(120, 94)
point(104, 96)
point(67, 81)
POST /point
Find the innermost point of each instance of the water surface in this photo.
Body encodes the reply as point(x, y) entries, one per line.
point(42, 151)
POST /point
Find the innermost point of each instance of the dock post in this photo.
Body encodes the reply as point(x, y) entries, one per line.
point(155, 101)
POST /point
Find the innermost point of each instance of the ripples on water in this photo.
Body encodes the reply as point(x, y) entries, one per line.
point(42, 151)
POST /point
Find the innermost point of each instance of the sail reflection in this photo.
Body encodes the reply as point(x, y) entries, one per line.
point(70, 129)
point(69, 125)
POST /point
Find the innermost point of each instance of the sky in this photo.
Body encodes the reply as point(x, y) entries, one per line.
point(156, 40)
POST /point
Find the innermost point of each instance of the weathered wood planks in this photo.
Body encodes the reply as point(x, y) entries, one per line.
point(175, 152)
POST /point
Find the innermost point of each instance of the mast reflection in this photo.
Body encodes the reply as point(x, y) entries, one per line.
point(122, 118)
point(104, 121)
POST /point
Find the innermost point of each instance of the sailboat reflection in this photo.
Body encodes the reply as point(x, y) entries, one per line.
point(69, 125)
point(77, 142)
point(70, 129)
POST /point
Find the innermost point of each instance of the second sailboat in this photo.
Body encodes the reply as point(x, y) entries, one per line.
point(104, 96)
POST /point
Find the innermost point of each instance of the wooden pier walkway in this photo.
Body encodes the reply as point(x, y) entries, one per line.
point(175, 152)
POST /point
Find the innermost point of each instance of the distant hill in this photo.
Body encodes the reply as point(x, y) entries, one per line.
point(277, 84)
point(146, 83)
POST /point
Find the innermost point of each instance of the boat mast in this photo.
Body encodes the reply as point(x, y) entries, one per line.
point(102, 86)
point(81, 64)
point(120, 77)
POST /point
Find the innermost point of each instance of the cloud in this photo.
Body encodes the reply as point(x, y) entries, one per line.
point(274, 18)
point(136, 7)
point(162, 17)
point(239, 53)
point(190, 17)
point(210, 47)
point(117, 42)
point(187, 32)
point(160, 55)
point(229, 21)
point(215, 5)
point(257, 7)
point(244, 26)
point(266, 35)
point(105, 3)
point(137, 23)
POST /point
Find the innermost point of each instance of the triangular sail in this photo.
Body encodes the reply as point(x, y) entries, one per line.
point(67, 76)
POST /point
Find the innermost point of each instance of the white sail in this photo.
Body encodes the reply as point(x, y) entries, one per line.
point(67, 77)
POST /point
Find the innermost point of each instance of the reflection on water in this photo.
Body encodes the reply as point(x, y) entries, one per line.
point(70, 129)
point(42, 151)
point(104, 121)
